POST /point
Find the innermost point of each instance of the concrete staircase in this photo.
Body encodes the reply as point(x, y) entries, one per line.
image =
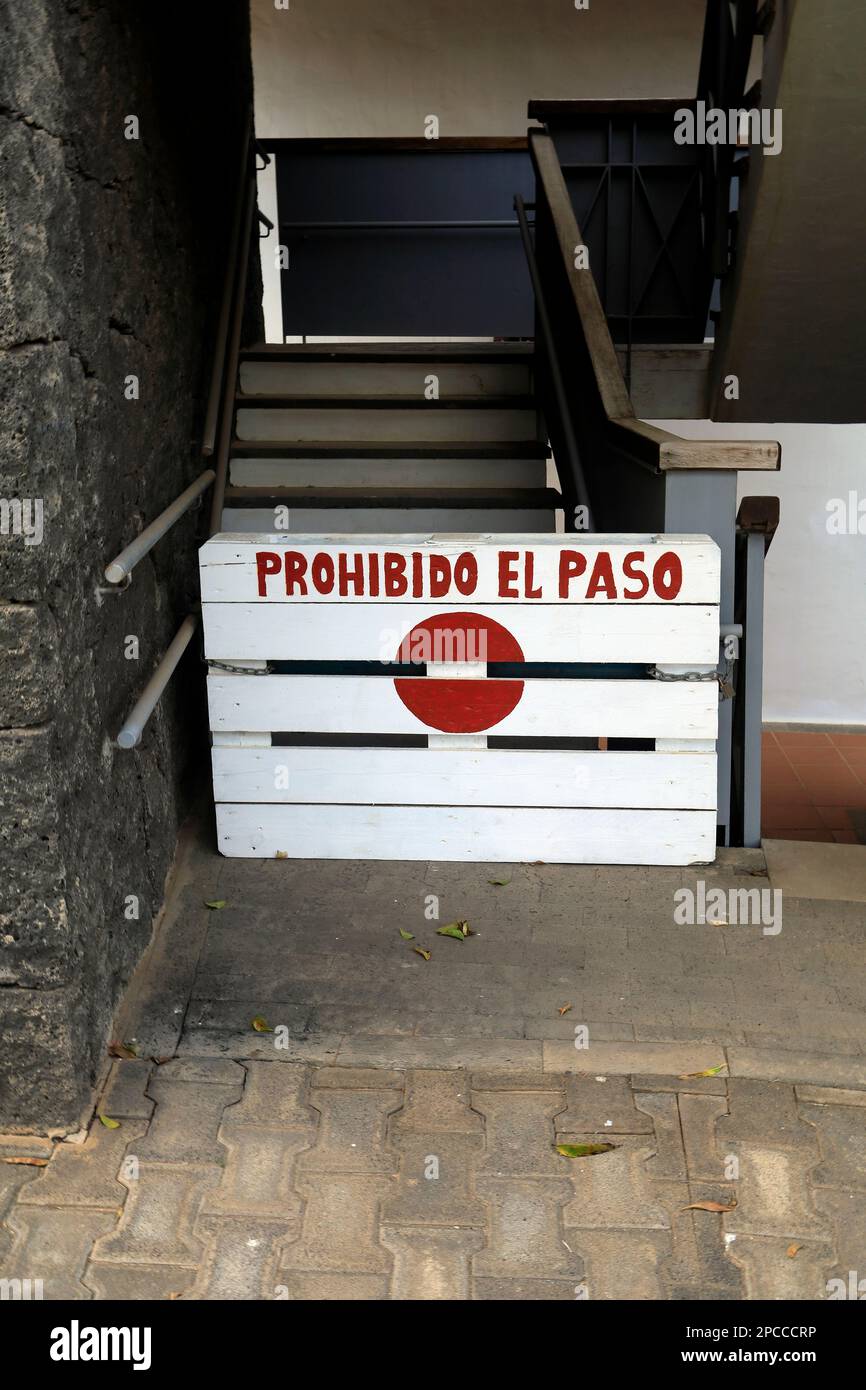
point(389, 438)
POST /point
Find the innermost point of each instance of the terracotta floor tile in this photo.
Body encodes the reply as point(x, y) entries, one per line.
point(784, 786)
point(774, 757)
point(789, 739)
point(783, 813)
point(823, 836)
point(832, 787)
point(815, 757)
point(835, 817)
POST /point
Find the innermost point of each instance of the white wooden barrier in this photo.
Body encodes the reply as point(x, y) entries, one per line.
point(463, 617)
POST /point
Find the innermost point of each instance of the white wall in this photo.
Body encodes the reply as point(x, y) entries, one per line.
point(815, 601)
point(379, 67)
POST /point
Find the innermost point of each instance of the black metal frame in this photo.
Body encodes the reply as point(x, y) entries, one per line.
point(638, 198)
point(729, 28)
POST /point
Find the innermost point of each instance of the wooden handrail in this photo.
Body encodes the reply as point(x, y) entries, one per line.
point(645, 444)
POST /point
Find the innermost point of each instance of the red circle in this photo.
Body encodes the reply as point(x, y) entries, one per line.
point(459, 706)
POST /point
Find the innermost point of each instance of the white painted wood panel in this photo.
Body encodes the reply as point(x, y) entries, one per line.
point(392, 425)
point(378, 521)
point(462, 777)
point(486, 835)
point(369, 379)
point(394, 473)
point(374, 632)
point(547, 708)
point(228, 564)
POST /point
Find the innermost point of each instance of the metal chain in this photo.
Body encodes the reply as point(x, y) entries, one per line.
point(723, 678)
point(266, 670)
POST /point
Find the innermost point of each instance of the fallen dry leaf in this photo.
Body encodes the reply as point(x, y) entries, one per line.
point(109, 1122)
point(407, 935)
point(215, 904)
point(459, 930)
point(281, 854)
point(30, 1162)
point(696, 1075)
point(792, 1250)
point(121, 1050)
point(261, 1025)
point(710, 1206)
point(499, 882)
point(564, 1009)
point(583, 1150)
point(420, 951)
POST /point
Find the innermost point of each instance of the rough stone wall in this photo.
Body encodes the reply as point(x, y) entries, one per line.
point(112, 252)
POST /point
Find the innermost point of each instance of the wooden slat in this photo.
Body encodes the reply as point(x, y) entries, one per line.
point(228, 567)
point(550, 632)
point(547, 708)
point(305, 518)
point(442, 777)
point(467, 834)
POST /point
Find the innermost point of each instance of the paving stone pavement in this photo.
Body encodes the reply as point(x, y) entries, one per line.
point(316, 947)
point(267, 1179)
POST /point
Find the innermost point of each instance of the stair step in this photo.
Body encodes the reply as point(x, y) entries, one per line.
point(516, 351)
point(376, 449)
point(403, 497)
point(390, 425)
point(392, 521)
point(384, 472)
point(405, 380)
point(483, 404)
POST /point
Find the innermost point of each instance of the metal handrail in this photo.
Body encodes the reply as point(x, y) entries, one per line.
point(223, 447)
point(123, 564)
point(557, 381)
point(217, 369)
point(224, 368)
point(130, 734)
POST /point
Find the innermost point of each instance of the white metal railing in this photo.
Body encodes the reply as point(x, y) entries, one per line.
point(130, 734)
point(123, 564)
point(219, 417)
